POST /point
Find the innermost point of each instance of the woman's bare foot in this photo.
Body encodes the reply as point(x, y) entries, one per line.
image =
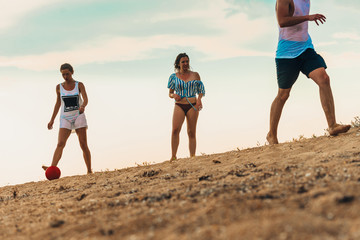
point(271, 139)
point(338, 128)
point(172, 159)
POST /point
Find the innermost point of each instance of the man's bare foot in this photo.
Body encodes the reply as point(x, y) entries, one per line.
point(271, 139)
point(172, 159)
point(44, 167)
point(338, 128)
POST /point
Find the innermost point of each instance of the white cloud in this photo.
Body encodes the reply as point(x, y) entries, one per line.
point(352, 5)
point(345, 60)
point(234, 34)
point(347, 35)
point(14, 10)
point(126, 49)
point(325, 44)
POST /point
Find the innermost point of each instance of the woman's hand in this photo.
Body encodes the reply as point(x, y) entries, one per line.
point(50, 124)
point(82, 109)
point(176, 97)
point(198, 105)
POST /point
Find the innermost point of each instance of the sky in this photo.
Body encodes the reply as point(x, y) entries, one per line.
point(123, 51)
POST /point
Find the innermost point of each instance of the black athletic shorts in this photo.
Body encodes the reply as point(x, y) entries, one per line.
point(288, 69)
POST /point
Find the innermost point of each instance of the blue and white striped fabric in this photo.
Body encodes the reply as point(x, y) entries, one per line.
point(186, 89)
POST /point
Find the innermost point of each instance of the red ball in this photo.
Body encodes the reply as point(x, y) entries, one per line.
point(52, 173)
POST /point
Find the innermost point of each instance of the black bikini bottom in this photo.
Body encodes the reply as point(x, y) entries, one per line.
point(185, 107)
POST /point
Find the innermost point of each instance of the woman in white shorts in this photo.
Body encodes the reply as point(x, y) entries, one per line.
point(72, 98)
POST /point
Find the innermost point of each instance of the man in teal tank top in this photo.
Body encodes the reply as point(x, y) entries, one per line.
point(295, 53)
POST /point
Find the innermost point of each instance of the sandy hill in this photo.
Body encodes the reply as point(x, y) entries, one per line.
point(308, 189)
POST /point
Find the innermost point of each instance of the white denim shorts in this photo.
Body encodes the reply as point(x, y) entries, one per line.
point(75, 122)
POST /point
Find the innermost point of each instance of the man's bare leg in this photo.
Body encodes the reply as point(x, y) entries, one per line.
point(321, 78)
point(275, 114)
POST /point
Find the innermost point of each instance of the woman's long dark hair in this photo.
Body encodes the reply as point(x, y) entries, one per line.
point(177, 60)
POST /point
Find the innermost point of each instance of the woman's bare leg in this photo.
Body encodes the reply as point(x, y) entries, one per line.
point(191, 120)
point(63, 137)
point(81, 132)
point(178, 120)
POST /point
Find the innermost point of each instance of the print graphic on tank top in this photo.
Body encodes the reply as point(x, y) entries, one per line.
point(71, 103)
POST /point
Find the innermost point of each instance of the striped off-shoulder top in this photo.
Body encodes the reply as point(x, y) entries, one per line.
point(186, 89)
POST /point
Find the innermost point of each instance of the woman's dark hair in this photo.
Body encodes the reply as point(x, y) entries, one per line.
point(177, 60)
point(67, 66)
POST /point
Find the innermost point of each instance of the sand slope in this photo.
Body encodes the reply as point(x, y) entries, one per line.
point(308, 189)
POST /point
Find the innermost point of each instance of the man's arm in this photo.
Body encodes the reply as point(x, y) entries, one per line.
point(285, 18)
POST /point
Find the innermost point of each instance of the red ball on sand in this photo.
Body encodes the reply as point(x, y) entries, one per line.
point(52, 173)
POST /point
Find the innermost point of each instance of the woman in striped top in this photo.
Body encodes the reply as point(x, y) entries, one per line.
point(183, 86)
